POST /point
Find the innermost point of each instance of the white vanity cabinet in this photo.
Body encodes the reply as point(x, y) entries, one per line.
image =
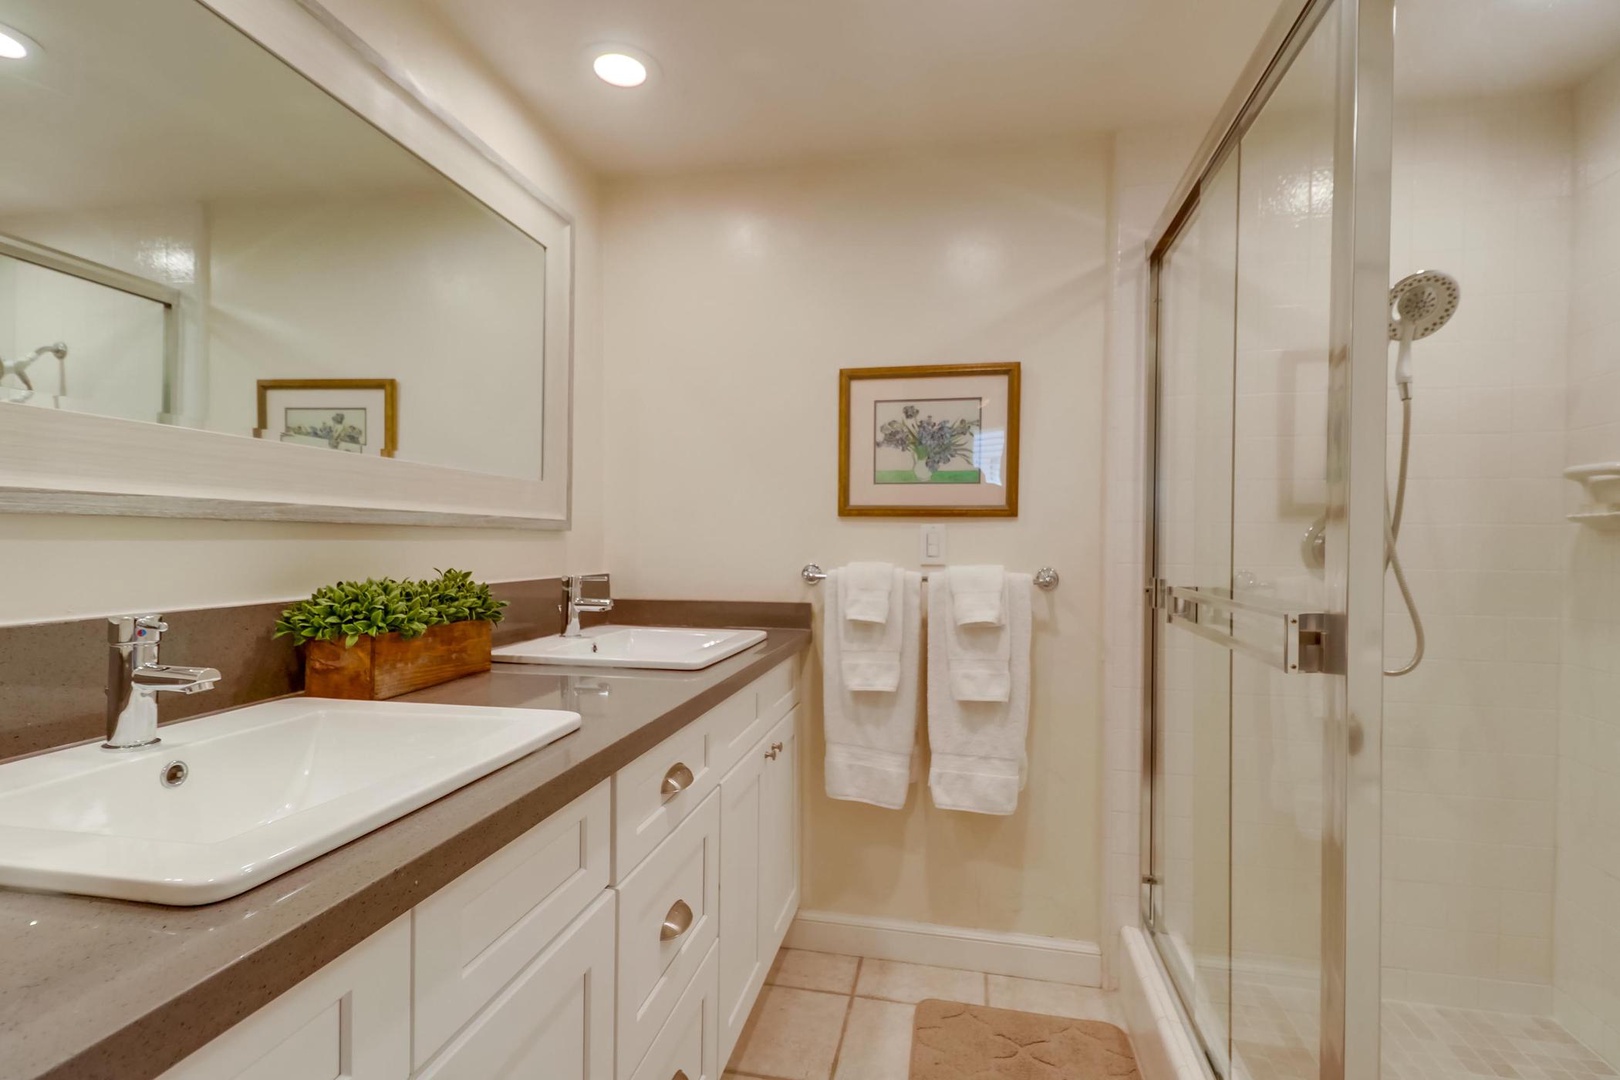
point(625, 937)
point(759, 869)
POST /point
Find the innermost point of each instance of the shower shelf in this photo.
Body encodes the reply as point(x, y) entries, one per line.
point(1605, 520)
point(1602, 484)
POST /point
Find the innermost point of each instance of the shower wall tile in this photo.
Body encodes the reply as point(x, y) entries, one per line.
point(1587, 910)
point(1483, 189)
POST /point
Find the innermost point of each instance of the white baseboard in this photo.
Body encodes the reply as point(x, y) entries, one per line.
point(1026, 956)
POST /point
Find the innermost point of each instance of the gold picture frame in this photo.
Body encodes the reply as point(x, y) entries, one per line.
point(329, 396)
point(931, 441)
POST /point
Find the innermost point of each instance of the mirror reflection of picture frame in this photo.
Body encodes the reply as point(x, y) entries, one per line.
point(928, 441)
point(356, 416)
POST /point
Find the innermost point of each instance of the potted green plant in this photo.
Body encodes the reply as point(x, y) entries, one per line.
point(377, 639)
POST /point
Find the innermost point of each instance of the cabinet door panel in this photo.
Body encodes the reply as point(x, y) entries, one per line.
point(779, 835)
point(743, 961)
point(555, 1020)
point(355, 1011)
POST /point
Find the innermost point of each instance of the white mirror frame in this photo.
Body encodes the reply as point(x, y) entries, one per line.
point(59, 462)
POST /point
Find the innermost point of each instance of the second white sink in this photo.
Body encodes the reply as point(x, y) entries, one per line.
point(227, 801)
point(663, 648)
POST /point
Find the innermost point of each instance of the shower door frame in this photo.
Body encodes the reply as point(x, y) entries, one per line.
point(1351, 913)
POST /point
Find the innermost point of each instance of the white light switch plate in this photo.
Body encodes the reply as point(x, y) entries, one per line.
point(931, 549)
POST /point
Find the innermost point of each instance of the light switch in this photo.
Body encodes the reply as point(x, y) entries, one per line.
point(933, 545)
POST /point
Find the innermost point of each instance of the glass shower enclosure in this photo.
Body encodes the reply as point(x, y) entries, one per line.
point(1268, 347)
point(1382, 756)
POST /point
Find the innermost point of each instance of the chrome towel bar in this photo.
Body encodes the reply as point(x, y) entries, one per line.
point(1046, 578)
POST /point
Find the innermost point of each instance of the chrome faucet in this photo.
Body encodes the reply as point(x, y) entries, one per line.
point(135, 679)
point(572, 586)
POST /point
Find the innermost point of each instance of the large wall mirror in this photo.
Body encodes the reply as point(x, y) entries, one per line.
point(248, 271)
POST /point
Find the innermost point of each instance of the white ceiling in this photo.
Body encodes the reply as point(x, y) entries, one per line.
point(743, 82)
point(746, 82)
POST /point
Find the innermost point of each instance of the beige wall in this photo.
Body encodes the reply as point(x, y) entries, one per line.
point(58, 567)
point(731, 303)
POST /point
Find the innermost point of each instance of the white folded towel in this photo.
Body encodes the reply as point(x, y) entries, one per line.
point(979, 758)
point(872, 735)
point(976, 594)
point(977, 654)
point(867, 587)
point(870, 651)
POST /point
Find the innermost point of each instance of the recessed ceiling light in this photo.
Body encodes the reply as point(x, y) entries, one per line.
point(14, 44)
point(619, 69)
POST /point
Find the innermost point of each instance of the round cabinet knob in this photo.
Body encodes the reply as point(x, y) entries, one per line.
point(677, 780)
point(677, 922)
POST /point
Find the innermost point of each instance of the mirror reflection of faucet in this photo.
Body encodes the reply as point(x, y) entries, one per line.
point(576, 687)
point(18, 369)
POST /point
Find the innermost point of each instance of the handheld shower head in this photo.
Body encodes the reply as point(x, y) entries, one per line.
point(1419, 305)
point(1422, 303)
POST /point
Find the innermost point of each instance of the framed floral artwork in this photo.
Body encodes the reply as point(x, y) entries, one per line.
point(355, 416)
point(931, 441)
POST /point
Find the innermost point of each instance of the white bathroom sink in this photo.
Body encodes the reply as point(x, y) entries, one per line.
point(662, 648)
point(267, 788)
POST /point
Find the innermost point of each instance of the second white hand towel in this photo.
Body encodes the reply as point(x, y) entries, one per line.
point(872, 734)
point(870, 649)
point(976, 594)
point(979, 755)
point(868, 588)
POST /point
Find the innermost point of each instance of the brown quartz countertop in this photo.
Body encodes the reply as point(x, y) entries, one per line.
point(108, 990)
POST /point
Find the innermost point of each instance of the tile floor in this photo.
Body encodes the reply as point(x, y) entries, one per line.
point(828, 1017)
point(1275, 1033)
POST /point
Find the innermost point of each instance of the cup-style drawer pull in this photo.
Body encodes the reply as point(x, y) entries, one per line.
point(677, 922)
point(677, 780)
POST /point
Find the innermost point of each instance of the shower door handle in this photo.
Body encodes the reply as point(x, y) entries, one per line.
point(1286, 637)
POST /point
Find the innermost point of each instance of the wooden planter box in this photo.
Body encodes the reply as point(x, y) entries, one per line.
point(383, 667)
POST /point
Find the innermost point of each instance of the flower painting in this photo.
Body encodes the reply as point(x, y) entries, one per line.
point(351, 416)
point(938, 440)
point(335, 429)
point(927, 441)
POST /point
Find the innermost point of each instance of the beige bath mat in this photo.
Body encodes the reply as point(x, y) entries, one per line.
point(952, 1041)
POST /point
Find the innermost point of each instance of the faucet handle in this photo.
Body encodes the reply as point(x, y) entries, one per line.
point(135, 629)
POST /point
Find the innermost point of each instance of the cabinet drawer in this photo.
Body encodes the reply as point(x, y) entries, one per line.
point(655, 793)
point(765, 701)
point(474, 934)
point(667, 920)
point(777, 691)
point(351, 1019)
point(687, 1045)
point(555, 1020)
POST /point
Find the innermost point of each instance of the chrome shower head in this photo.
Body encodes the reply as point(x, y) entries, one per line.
point(1422, 303)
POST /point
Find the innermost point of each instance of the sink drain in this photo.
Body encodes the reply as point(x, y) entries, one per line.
point(174, 774)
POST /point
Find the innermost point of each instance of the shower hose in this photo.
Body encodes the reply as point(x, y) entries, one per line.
point(1392, 532)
